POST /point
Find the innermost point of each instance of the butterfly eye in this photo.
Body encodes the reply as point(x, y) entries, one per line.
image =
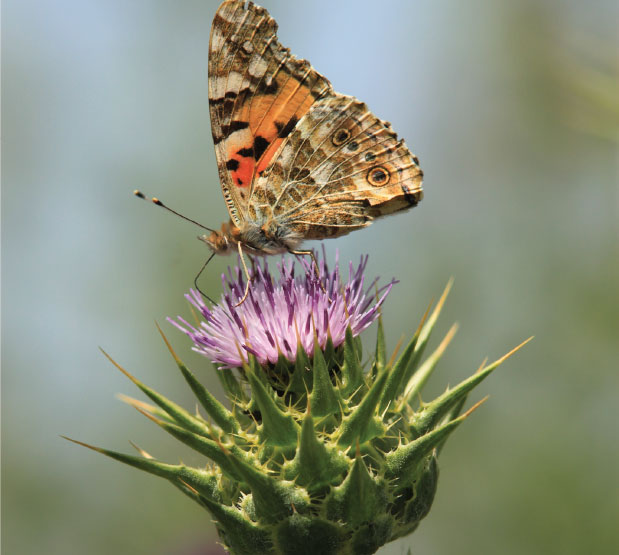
point(340, 137)
point(378, 176)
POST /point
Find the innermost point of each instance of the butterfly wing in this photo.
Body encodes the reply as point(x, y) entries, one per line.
point(258, 92)
point(340, 168)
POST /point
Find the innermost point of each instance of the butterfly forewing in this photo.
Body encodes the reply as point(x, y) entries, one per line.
point(258, 92)
point(295, 158)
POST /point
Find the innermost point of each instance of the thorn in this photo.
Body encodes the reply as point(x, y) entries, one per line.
point(448, 287)
point(244, 362)
point(134, 380)
point(141, 451)
point(382, 416)
point(199, 415)
point(149, 416)
point(474, 407)
point(513, 351)
point(190, 488)
point(424, 318)
point(97, 449)
point(446, 340)
point(135, 403)
point(441, 301)
point(222, 446)
point(395, 352)
point(481, 366)
point(165, 339)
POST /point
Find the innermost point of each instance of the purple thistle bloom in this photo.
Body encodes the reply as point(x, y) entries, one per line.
point(280, 313)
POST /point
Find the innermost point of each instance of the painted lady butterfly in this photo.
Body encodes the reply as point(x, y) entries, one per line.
point(296, 159)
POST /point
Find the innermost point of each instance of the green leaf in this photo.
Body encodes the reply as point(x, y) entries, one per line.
point(352, 372)
point(241, 536)
point(178, 413)
point(362, 424)
point(202, 481)
point(302, 535)
point(396, 374)
point(380, 354)
point(273, 498)
point(220, 414)
point(214, 450)
point(324, 398)
point(278, 428)
point(314, 465)
point(402, 464)
point(419, 378)
point(359, 498)
point(231, 386)
point(434, 411)
point(301, 379)
point(423, 335)
point(329, 352)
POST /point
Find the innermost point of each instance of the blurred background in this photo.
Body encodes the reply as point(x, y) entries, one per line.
point(513, 110)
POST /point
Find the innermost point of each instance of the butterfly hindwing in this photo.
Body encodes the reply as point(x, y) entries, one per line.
point(258, 92)
point(339, 169)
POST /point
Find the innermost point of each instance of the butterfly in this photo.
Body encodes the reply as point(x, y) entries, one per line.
point(296, 159)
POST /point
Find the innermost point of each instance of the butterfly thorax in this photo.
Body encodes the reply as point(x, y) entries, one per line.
point(255, 238)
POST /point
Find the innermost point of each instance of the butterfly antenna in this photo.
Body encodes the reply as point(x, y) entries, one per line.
point(156, 201)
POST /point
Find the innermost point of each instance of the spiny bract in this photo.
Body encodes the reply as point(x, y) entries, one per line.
point(317, 455)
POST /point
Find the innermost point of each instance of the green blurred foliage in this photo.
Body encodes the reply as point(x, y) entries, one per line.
point(512, 108)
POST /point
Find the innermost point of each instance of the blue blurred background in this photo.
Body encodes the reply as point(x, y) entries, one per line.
point(511, 106)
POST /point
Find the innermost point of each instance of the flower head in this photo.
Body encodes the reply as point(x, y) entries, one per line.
point(352, 452)
point(282, 312)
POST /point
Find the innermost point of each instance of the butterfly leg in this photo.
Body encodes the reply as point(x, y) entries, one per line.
point(314, 263)
point(247, 275)
point(195, 281)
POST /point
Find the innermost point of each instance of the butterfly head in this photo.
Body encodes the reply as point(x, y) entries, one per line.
point(223, 241)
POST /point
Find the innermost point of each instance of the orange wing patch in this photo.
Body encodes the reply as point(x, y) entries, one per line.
point(271, 119)
point(258, 92)
point(284, 112)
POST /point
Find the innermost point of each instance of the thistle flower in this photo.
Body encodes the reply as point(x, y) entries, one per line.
point(316, 453)
point(279, 315)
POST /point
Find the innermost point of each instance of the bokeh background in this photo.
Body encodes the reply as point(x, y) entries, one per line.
point(511, 106)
